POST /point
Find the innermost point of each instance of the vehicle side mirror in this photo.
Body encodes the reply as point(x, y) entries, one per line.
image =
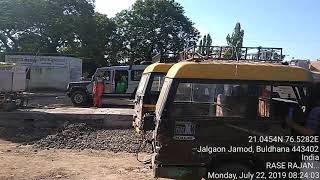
point(149, 122)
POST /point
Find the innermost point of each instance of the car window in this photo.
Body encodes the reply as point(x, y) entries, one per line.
point(103, 74)
point(157, 82)
point(284, 92)
point(183, 93)
point(200, 99)
point(107, 75)
point(136, 75)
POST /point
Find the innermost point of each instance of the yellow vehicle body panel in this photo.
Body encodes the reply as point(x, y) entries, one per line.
point(158, 67)
point(149, 107)
point(239, 71)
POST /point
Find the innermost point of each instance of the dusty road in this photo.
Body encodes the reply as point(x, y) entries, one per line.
point(79, 152)
point(25, 162)
point(60, 99)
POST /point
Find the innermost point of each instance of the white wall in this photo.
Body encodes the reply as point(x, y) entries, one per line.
point(49, 72)
point(13, 80)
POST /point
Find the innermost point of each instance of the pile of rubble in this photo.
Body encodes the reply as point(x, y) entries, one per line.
point(81, 136)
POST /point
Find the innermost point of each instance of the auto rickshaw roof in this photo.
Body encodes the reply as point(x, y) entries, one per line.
point(158, 68)
point(233, 70)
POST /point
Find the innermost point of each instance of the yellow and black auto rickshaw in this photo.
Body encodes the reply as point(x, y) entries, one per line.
point(148, 92)
point(226, 117)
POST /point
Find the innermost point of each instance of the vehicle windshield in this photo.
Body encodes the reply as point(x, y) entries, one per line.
point(157, 82)
point(153, 88)
point(211, 99)
point(229, 100)
point(103, 74)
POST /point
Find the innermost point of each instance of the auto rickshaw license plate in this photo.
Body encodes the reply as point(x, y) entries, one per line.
point(184, 130)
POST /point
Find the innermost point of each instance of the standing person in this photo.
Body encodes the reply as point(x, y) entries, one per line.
point(122, 85)
point(264, 104)
point(311, 128)
point(98, 90)
point(312, 125)
point(125, 83)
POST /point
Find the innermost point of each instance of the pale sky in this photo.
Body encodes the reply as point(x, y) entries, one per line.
point(111, 7)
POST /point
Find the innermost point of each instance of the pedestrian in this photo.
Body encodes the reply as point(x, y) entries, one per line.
point(98, 88)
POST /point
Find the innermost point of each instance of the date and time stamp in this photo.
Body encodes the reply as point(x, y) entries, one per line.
point(308, 166)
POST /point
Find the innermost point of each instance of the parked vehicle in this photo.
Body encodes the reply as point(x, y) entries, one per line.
point(12, 86)
point(148, 92)
point(208, 110)
point(119, 81)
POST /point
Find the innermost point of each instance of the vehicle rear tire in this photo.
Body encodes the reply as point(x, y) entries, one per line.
point(79, 98)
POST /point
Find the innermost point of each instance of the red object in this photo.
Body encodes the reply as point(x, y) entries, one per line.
point(97, 94)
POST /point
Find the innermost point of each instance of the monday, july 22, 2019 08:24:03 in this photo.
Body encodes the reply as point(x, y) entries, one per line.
point(306, 166)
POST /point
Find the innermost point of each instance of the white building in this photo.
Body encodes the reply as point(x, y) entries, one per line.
point(12, 78)
point(49, 72)
point(301, 63)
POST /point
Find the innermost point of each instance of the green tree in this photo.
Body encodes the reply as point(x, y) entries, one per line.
point(235, 40)
point(95, 40)
point(209, 40)
point(206, 41)
point(200, 44)
point(56, 26)
point(204, 44)
point(209, 43)
point(14, 21)
point(42, 26)
point(154, 26)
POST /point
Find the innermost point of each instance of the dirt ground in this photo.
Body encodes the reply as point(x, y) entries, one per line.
point(60, 99)
point(24, 162)
point(21, 162)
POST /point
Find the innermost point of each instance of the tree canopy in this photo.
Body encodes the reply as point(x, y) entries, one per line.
point(137, 34)
point(154, 26)
point(205, 41)
point(43, 26)
point(236, 38)
point(236, 41)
